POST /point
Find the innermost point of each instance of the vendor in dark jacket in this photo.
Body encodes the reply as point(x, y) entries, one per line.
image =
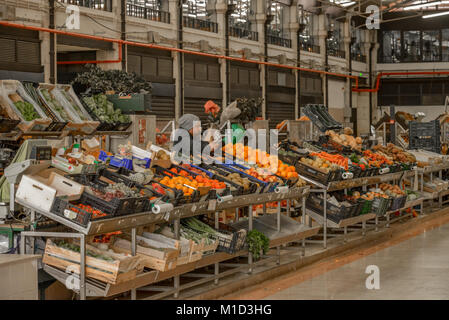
point(187, 122)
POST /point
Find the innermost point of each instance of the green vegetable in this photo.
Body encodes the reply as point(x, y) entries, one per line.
point(100, 80)
point(55, 105)
point(104, 109)
point(75, 106)
point(257, 242)
point(76, 248)
point(27, 110)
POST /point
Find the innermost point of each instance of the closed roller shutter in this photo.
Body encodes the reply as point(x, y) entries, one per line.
point(311, 89)
point(280, 106)
point(202, 83)
point(245, 81)
point(8, 50)
point(20, 50)
point(155, 66)
point(280, 96)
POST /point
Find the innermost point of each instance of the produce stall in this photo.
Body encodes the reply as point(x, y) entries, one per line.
point(133, 219)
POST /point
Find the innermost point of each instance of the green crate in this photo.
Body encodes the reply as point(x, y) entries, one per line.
point(133, 103)
point(366, 206)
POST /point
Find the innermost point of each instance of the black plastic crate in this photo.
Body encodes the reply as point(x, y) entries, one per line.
point(117, 206)
point(8, 125)
point(62, 208)
point(424, 129)
point(317, 175)
point(380, 206)
point(398, 203)
point(121, 126)
point(236, 240)
point(333, 212)
point(428, 144)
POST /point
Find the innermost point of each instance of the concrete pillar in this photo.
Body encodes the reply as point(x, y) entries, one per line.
point(260, 17)
point(293, 28)
point(220, 13)
point(322, 36)
point(177, 58)
point(113, 54)
point(347, 46)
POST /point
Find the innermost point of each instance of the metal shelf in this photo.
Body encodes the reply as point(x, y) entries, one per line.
point(95, 288)
point(343, 223)
point(188, 210)
point(358, 182)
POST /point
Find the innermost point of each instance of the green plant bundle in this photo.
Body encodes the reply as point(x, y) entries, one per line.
point(100, 80)
point(257, 243)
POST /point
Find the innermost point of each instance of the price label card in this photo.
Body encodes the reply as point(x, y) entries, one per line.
point(212, 205)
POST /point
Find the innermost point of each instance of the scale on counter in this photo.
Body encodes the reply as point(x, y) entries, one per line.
point(39, 159)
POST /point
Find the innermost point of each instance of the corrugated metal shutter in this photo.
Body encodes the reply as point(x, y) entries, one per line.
point(202, 83)
point(163, 107)
point(28, 52)
point(245, 81)
point(311, 89)
point(280, 106)
point(157, 67)
point(8, 50)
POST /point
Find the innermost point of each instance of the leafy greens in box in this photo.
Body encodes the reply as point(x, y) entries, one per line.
point(104, 109)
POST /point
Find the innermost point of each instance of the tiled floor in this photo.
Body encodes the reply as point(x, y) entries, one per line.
point(417, 268)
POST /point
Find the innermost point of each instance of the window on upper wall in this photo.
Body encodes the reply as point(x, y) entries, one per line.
point(240, 16)
point(195, 9)
point(431, 45)
point(276, 28)
point(357, 46)
point(391, 46)
point(335, 43)
point(307, 38)
point(445, 44)
point(412, 46)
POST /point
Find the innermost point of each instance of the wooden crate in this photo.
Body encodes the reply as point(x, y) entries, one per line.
point(210, 248)
point(121, 270)
point(195, 253)
point(158, 259)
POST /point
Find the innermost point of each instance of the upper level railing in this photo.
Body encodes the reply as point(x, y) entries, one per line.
point(142, 12)
point(204, 25)
point(105, 5)
point(243, 33)
point(431, 57)
point(358, 57)
point(310, 47)
point(336, 53)
point(279, 41)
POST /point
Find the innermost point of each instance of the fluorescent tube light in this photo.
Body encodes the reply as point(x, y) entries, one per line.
point(422, 5)
point(436, 14)
point(347, 4)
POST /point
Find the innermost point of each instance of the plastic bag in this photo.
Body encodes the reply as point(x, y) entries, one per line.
point(230, 112)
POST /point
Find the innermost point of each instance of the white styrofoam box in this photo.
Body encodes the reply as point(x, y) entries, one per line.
point(35, 193)
point(65, 187)
point(140, 153)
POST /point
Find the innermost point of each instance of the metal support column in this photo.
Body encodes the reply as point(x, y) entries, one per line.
point(278, 218)
point(176, 279)
point(325, 220)
point(133, 253)
point(250, 227)
point(303, 221)
point(82, 267)
point(217, 264)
